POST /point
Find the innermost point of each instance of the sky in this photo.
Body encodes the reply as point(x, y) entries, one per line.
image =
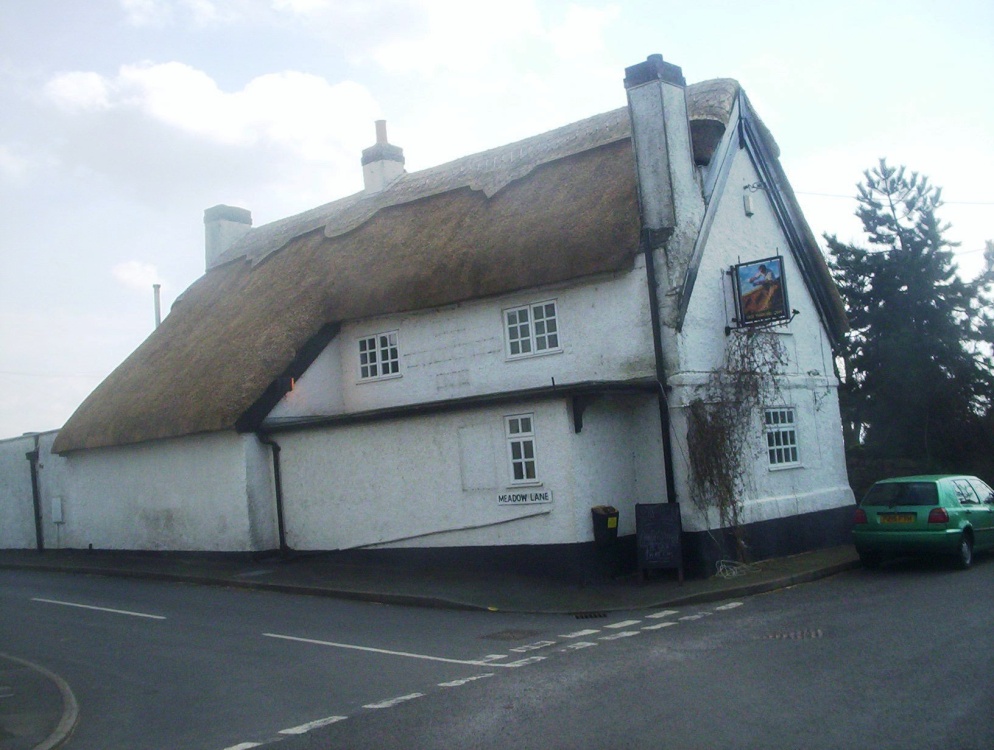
point(122, 120)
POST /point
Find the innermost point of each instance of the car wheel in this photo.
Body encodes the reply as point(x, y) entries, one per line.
point(870, 560)
point(965, 552)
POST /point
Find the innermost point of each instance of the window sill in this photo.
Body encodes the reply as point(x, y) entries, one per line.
point(785, 467)
point(531, 355)
point(379, 378)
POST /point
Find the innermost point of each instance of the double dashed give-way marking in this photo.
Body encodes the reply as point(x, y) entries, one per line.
point(578, 640)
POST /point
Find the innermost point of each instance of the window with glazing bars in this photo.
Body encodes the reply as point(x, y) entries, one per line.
point(533, 329)
point(379, 356)
point(781, 436)
point(521, 447)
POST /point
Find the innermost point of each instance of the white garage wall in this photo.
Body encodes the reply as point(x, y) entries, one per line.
point(17, 520)
point(205, 492)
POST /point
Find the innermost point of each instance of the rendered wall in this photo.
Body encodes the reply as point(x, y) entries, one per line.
point(17, 509)
point(458, 351)
point(205, 493)
point(17, 516)
point(808, 383)
point(436, 481)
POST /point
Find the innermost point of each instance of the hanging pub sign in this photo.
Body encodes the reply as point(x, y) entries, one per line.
point(760, 292)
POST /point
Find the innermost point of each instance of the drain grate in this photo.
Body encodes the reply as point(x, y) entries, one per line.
point(796, 635)
point(589, 615)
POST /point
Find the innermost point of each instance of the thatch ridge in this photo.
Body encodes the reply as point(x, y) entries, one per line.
point(545, 210)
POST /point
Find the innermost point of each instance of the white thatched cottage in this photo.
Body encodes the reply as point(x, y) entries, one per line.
point(465, 360)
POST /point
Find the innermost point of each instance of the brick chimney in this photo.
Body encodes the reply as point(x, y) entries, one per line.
point(223, 227)
point(382, 163)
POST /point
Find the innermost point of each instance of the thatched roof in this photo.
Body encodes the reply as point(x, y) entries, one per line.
point(555, 207)
point(238, 327)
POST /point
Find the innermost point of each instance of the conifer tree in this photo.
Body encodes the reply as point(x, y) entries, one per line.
point(917, 371)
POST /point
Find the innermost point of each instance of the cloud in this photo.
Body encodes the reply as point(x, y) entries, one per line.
point(582, 32)
point(299, 111)
point(167, 135)
point(13, 164)
point(155, 13)
point(164, 13)
point(302, 7)
point(449, 35)
point(79, 91)
point(135, 274)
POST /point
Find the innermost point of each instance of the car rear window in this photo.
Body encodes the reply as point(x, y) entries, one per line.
point(902, 493)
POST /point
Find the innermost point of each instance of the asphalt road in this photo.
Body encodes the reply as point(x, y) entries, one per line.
point(899, 658)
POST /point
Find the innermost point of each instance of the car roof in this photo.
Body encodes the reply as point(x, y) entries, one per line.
point(925, 478)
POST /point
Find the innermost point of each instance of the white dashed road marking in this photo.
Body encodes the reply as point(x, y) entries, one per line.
point(623, 624)
point(395, 701)
point(522, 662)
point(616, 636)
point(533, 647)
point(580, 634)
point(578, 645)
point(304, 728)
point(664, 613)
point(659, 626)
point(465, 680)
point(730, 605)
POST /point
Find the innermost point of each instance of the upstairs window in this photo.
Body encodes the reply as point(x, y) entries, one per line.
point(781, 436)
point(531, 330)
point(379, 357)
point(521, 448)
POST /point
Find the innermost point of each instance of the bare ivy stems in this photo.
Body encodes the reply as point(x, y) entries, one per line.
point(722, 423)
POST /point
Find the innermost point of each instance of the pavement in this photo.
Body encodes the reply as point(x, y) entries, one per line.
point(38, 710)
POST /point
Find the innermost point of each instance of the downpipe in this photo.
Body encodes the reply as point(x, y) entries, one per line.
point(278, 480)
point(657, 345)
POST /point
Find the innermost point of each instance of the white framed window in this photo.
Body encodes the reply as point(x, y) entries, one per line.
point(532, 329)
point(520, 430)
point(379, 356)
point(781, 436)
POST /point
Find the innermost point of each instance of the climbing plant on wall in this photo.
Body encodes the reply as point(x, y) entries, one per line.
point(723, 425)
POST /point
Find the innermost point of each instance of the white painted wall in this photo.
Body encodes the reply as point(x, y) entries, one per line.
point(434, 481)
point(17, 521)
point(458, 351)
point(809, 385)
point(17, 517)
point(204, 492)
point(619, 459)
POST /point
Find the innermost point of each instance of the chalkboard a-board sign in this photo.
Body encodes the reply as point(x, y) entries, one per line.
point(657, 534)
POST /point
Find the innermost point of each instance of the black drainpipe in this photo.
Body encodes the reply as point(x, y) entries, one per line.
point(32, 457)
point(657, 345)
point(278, 478)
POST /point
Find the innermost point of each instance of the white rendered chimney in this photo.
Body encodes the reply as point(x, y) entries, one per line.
point(223, 227)
point(669, 191)
point(382, 163)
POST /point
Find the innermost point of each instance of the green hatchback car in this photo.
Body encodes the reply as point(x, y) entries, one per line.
point(951, 515)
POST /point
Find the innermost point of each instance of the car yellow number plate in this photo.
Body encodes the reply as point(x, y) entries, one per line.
point(897, 518)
